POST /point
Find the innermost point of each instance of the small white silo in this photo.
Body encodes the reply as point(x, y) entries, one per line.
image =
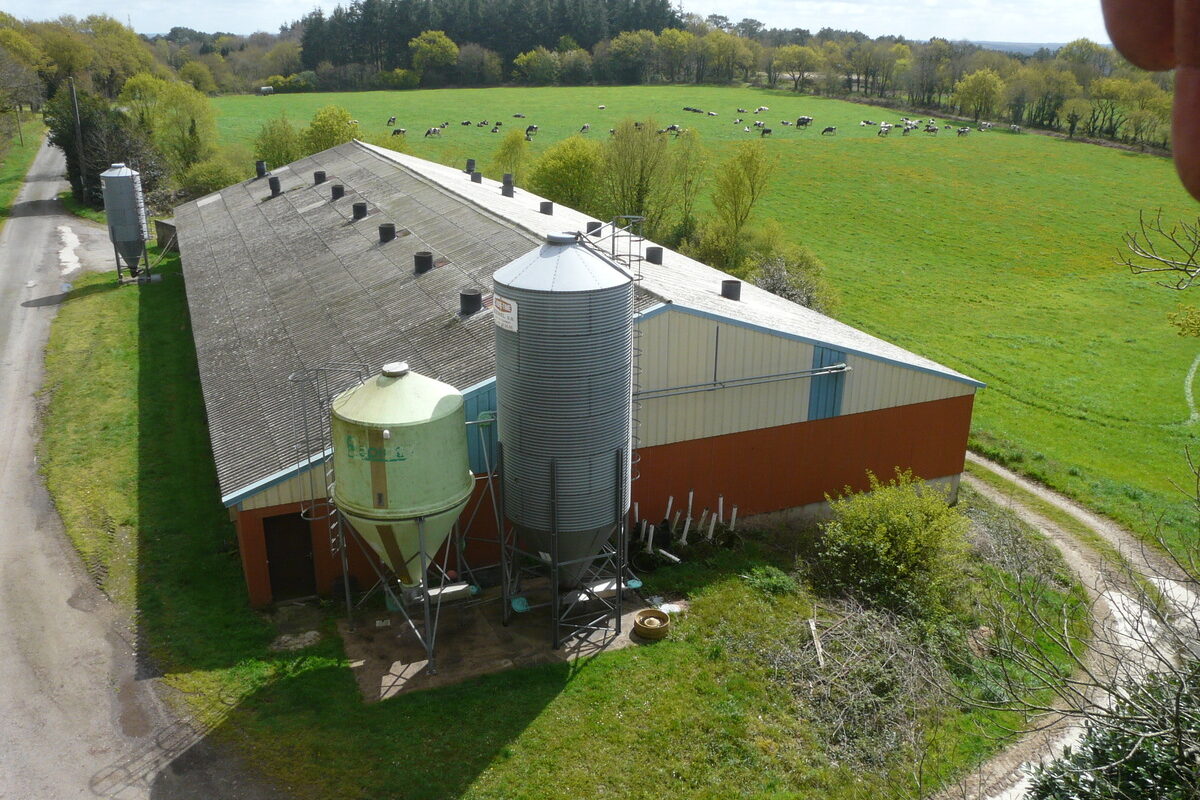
point(126, 211)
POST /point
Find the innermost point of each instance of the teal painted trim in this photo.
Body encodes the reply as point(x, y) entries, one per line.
point(654, 311)
point(817, 343)
point(477, 400)
point(825, 392)
point(274, 479)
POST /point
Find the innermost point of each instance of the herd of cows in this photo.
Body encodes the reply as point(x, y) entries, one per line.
point(928, 126)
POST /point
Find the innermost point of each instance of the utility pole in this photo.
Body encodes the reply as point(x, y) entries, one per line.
point(78, 140)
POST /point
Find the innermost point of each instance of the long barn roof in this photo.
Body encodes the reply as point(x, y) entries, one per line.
point(280, 284)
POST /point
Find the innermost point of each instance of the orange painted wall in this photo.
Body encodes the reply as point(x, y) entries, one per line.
point(759, 471)
point(794, 465)
point(253, 546)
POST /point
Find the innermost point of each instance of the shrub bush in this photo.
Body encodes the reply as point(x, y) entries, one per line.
point(899, 546)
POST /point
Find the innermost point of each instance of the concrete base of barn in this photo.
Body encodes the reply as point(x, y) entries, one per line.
point(471, 641)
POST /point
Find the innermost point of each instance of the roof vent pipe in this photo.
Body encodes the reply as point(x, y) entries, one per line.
point(470, 166)
point(654, 255)
point(731, 289)
point(318, 177)
point(337, 192)
point(469, 301)
point(547, 208)
point(593, 228)
point(261, 168)
point(422, 261)
point(360, 210)
point(273, 182)
point(507, 188)
point(507, 179)
point(387, 232)
point(476, 177)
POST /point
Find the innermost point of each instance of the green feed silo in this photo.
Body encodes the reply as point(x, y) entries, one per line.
point(400, 465)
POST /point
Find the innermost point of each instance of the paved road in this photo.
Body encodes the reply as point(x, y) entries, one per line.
point(75, 719)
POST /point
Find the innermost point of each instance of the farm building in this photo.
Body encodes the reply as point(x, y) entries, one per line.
point(741, 394)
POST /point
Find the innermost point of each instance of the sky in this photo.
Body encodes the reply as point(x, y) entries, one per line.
point(979, 20)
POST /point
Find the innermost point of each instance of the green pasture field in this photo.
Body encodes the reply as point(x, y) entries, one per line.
point(993, 253)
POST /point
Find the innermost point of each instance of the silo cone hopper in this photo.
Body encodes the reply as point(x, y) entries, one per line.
point(400, 466)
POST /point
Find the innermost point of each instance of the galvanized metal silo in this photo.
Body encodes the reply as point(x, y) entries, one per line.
point(564, 359)
point(125, 209)
point(400, 465)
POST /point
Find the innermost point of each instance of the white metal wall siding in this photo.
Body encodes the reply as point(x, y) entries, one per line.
point(296, 489)
point(680, 349)
point(872, 385)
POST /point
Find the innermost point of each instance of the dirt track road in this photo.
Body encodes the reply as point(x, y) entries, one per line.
point(76, 719)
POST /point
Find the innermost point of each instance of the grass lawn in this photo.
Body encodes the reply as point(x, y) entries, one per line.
point(77, 208)
point(126, 456)
point(992, 253)
point(15, 159)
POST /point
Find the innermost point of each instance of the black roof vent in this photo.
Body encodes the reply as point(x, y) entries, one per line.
point(337, 191)
point(593, 228)
point(360, 210)
point(273, 182)
point(387, 232)
point(318, 177)
point(469, 301)
point(260, 167)
point(506, 188)
point(476, 177)
point(470, 165)
point(654, 255)
point(731, 289)
point(422, 261)
point(547, 208)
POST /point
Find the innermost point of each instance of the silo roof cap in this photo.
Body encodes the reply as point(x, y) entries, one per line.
point(562, 264)
point(118, 171)
point(387, 400)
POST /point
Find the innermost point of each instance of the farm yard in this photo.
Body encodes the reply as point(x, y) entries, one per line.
point(992, 252)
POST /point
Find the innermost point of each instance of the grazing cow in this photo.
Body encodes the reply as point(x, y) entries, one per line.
point(465, 122)
point(765, 132)
point(444, 125)
point(712, 113)
point(587, 126)
point(433, 132)
point(803, 122)
point(761, 108)
point(746, 129)
point(983, 126)
point(688, 108)
point(1015, 128)
point(963, 131)
point(391, 121)
point(741, 111)
point(737, 121)
point(518, 116)
point(399, 131)
point(947, 127)
point(498, 123)
point(601, 107)
point(867, 122)
point(673, 128)
point(785, 122)
point(829, 129)
point(495, 130)
point(884, 130)
point(758, 123)
point(530, 130)
point(931, 129)
point(637, 125)
point(481, 124)
point(353, 122)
